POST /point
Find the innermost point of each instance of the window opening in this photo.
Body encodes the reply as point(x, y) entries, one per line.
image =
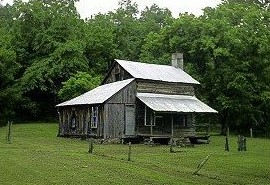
point(94, 121)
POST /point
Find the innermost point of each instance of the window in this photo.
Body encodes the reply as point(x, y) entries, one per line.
point(117, 77)
point(73, 121)
point(149, 117)
point(94, 120)
point(159, 119)
point(117, 73)
point(185, 120)
point(180, 120)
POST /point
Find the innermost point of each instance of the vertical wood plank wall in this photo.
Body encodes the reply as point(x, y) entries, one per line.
point(114, 111)
point(83, 121)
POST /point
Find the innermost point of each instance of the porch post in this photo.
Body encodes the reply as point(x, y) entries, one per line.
point(172, 124)
point(153, 120)
point(60, 121)
point(145, 109)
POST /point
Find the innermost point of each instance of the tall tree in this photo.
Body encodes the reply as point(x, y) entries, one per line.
point(227, 50)
point(50, 48)
point(101, 46)
point(8, 65)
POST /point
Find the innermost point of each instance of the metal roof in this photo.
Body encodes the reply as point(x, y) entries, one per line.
point(97, 95)
point(156, 72)
point(174, 103)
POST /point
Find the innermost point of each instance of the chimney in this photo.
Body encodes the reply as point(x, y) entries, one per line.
point(177, 60)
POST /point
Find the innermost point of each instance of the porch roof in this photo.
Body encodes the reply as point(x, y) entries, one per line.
point(174, 103)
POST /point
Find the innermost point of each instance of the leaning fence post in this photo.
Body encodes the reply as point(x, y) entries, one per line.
point(201, 165)
point(251, 133)
point(129, 151)
point(91, 145)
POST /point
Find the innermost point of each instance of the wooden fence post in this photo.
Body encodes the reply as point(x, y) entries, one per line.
point(227, 140)
point(171, 147)
point(201, 165)
point(8, 138)
point(91, 145)
point(227, 144)
point(129, 151)
point(7, 131)
point(251, 133)
point(242, 143)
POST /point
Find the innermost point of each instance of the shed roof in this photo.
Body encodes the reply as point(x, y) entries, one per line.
point(174, 103)
point(97, 95)
point(156, 72)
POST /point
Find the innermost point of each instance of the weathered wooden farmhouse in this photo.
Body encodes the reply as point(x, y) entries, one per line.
point(135, 100)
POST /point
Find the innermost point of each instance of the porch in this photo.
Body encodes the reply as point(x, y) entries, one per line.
point(168, 116)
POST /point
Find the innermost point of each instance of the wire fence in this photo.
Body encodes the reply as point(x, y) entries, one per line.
point(216, 130)
point(260, 134)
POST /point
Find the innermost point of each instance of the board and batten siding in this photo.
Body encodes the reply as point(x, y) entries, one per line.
point(81, 114)
point(114, 111)
point(148, 86)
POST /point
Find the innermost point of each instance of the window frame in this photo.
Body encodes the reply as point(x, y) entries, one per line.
point(94, 117)
point(152, 117)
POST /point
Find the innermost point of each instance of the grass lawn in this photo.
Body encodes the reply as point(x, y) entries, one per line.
point(37, 156)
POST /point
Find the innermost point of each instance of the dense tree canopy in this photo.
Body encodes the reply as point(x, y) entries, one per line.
point(227, 50)
point(49, 54)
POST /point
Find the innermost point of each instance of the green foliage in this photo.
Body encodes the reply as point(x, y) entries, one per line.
point(45, 43)
point(78, 84)
point(8, 65)
point(227, 50)
point(100, 42)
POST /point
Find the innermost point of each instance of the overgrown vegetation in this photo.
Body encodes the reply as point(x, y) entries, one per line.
point(36, 156)
point(48, 54)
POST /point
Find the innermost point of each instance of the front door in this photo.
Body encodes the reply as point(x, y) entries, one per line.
point(130, 120)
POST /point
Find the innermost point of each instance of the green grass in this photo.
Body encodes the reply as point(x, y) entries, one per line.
point(37, 156)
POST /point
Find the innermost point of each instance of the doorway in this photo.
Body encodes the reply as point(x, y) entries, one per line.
point(130, 120)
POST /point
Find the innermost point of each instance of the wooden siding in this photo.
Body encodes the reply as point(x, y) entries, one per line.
point(114, 111)
point(147, 86)
point(82, 126)
point(115, 120)
point(116, 72)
